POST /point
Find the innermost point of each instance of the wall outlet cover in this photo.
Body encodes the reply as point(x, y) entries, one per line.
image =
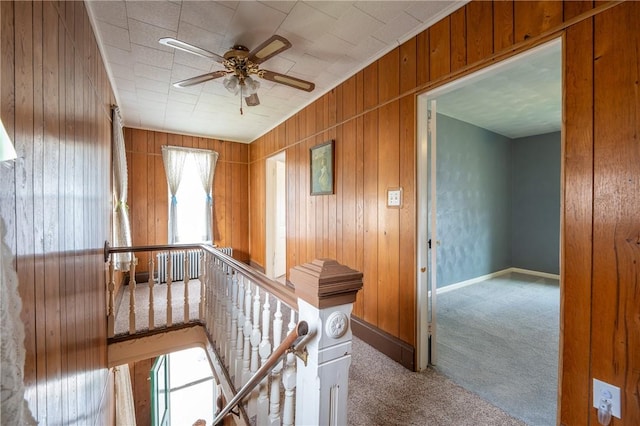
point(609, 392)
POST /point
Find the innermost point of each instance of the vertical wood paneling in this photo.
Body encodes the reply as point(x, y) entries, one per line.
point(575, 313)
point(407, 231)
point(458, 34)
point(388, 219)
point(532, 18)
point(615, 331)
point(422, 60)
point(408, 65)
point(479, 30)
point(389, 75)
point(370, 190)
point(439, 49)
point(60, 217)
point(503, 33)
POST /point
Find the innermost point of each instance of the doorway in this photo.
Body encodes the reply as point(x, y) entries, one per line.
point(470, 224)
point(276, 218)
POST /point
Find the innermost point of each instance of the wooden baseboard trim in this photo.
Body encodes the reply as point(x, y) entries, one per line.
point(399, 351)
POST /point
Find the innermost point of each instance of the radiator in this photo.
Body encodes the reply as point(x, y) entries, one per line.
point(226, 250)
point(177, 265)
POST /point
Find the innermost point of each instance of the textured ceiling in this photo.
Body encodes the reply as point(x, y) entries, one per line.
point(331, 41)
point(515, 98)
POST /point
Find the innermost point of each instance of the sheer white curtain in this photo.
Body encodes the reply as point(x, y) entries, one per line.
point(121, 227)
point(125, 406)
point(173, 159)
point(206, 161)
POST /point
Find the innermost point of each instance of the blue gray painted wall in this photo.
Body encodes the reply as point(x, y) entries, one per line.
point(498, 202)
point(535, 203)
point(474, 185)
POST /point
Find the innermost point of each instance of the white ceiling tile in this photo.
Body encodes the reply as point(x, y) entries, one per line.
point(210, 16)
point(151, 72)
point(150, 95)
point(148, 35)
point(118, 56)
point(383, 11)
point(332, 8)
point(396, 29)
point(282, 6)
point(367, 50)
point(114, 36)
point(183, 97)
point(202, 38)
point(112, 12)
point(253, 23)
point(307, 21)
point(426, 11)
point(152, 85)
point(121, 71)
point(126, 85)
point(355, 26)
point(159, 13)
point(147, 55)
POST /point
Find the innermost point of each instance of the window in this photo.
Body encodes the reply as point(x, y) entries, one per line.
point(192, 202)
point(190, 174)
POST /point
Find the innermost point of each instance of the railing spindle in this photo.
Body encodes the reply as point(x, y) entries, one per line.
point(289, 381)
point(246, 355)
point(152, 318)
point(169, 282)
point(274, 397)
point(110, 313)
point(186, 286)
point(203, 277)
point(264, 351)
point(239, 334)
point(132, 295)
point(233, 341)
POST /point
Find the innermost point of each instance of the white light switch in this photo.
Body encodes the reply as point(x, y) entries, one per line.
point(394, 197)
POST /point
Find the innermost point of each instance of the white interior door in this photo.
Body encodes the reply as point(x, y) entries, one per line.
point(426, 253)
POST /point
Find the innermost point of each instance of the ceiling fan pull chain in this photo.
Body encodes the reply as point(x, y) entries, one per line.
point(241, 113)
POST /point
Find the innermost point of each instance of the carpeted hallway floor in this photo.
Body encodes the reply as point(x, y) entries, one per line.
point(382, 392)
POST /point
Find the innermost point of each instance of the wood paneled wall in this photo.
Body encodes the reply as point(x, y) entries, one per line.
point(371, 116)
point(56, 200)
point(148, 197)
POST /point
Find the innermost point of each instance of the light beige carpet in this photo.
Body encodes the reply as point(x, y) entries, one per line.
point(382, 392)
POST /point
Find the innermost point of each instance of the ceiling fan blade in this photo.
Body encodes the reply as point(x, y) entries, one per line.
point(252, 100)
point(189, 48)
point(271, 47)
point(288, 80)
point(200, 79)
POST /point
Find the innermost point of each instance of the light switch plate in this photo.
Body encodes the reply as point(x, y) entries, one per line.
point(609, 392)
point(394, 197)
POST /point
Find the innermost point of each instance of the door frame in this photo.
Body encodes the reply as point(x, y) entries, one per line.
point(423, 169)
point(271, 213)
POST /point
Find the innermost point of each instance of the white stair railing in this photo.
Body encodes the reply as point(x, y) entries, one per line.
point(242, 312)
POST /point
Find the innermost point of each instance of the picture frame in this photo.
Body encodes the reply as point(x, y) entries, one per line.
point(321, 159)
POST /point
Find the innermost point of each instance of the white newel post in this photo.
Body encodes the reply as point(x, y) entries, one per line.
point(326, 292)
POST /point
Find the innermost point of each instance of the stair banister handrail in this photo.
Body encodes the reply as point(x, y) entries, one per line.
point(290, 343)
point(282, 292)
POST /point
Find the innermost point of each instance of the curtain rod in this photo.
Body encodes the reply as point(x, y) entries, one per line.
point(184, 148)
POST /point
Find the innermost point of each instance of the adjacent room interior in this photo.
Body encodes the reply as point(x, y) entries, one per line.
point(498, 229)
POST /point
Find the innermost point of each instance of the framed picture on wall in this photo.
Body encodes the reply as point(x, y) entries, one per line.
point(321, 167)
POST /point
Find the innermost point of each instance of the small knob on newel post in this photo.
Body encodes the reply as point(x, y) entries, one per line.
point(326, 291)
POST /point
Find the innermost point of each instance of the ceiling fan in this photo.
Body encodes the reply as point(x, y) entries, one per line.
point(240, 64)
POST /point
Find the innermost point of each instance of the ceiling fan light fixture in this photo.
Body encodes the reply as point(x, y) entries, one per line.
point(232, 84)
point(251, 86)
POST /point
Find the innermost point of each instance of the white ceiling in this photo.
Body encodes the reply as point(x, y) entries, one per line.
point(519, 97)
point(332, 40)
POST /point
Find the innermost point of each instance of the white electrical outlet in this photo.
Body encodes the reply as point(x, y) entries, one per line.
point(394, 197)
point(610, 393)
